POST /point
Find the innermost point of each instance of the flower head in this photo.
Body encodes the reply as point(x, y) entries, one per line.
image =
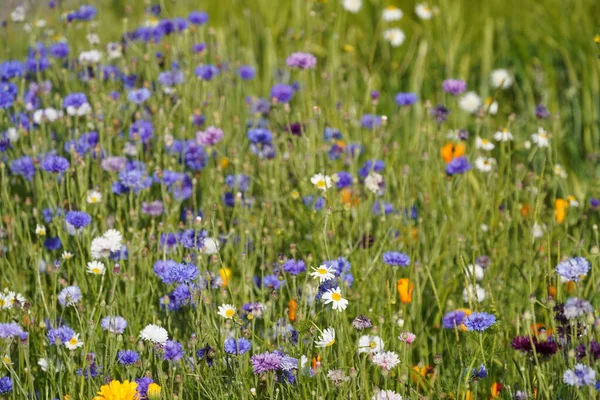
point(323, 273)
point(335, 296)
point(116, 390)
point(155, 334)
point(479, 321)
point(226, 311)
point(327, 338)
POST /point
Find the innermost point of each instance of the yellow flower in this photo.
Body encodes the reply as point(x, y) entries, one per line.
point(225, 275)
point(153, 391)
point(560, 206)
point(348, 48)
point(597, 39)
point(118, 391)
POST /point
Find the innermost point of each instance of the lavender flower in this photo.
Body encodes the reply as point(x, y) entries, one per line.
point(154, 208)
point(573, 269)
point(581, 375)
point(440, 113)
point(69, 296)
point(210, 137)
point(9, 330)
point(114, 324)
point(265, 362)
point(301, 60)
point(458, 165)
point(576, 307)
point(454, 86)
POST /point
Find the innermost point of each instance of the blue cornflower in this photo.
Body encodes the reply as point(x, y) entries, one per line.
point(260, 136)
point(458, 165)
point(9, 330)
point(272, 282)
point(52, 243)
point(573, 269)
point(480, 372)
point(344, 179)
point(127, 357)
point(453, 318)
point(294, 267)
point(170, 78)
point(55, 164)
point(283, 93)
point(69, 296)
point(388, 208)
point(198, 17)
point(11, 69)
point(206, 72)
point(60, 335)
point(173, 351)
point(371, 165)
point(142, 386)
point(194, 155)
point(240, 182)
point(247, 72)
point(440, 113)
point(141, 130)
point(406, 99)
point(8, 94)
point(581, 375)
point(24, 167)
point(6, 385)
point(396, 259)
point(138, 96)
point(78, 219)
point(479, 321)
point(370, 121)
point(114, 324)
point(236, 346)
point(59, 50)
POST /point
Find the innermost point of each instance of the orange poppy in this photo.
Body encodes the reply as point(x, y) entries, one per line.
point(560, 206)
point(349, 198)
point(452, 150)
point(496, 389)
point(292, 308)
point(405, 289)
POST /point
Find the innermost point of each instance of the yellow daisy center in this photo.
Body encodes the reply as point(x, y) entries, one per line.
point(322, 271)
point(336, 296)
point(229, 313)
point(372, 344)
point(96, 270)
point(321, 183)
point(331, 343)
point(73, 341)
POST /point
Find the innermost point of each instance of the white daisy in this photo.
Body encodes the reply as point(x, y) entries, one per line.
point(490, 105)
point(370, 344)
point(96, 268)
point(484, 164)
point(391, 14)
point(322, 182)
point(484, 144)
point(560, 171)
point(352, 6)
point(66, 255)
point(226, 311)
point(74, 343)
point(501, 78)
point(541, 138)
point(395, 36)
point(210, 246)
point(327, 338)
point(387, 360)
point(423, 11)
point(323, 273)
point(40, 230)
point(503, 136)
point(94, 197)
point(335, 296)
point(155, 334)
point(470, 102)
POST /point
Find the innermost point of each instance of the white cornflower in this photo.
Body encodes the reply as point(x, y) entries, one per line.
point(40, 230)
point(387, 360)
point(12, 134)
point(475, 271)
point(18, 14)
point(537, 230)
point(103, 245)
point(74, 343)
point(484, 164)
point(484, 144)
point(210, 246)
point(323, 273)
point(44, 365)
point(501, 78)
point(46, 115)
point(93, 38)
point(322, 182)
point(155, 334)
point(386, 395)
point(114, 50)
point(370, 344)
point(423, 11)
point(395, 36)
point(226, 311)
point(94, 197)
point(503, 136)
point(374, 183)
point(391, 14)
point(90, 57)
point(96, 268)
point(84, 109)
point(352, 6)
point(337, 376)
point(327, 338)
point(335, 296)
point(541, 138)
point(470, 102)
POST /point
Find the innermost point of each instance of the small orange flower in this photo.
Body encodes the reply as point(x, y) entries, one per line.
point(225, 275)
point(316, 362)
point(292, 309)
point(451, 150)
point(560, 206)
point(525, 209)
point(571, 286)
point(539, 328)
point(224, 162)
point(420, 374)
point(552, 291)
point(349, 198)
point(405, 289)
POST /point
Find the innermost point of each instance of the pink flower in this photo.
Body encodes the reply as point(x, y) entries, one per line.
point(407, 337)
point(209, 137)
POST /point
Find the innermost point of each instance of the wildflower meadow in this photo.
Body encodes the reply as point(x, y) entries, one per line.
point(299, 199)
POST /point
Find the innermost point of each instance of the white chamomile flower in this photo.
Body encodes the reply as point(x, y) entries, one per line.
point(490, 105)
point(484, 164)
point(335, 296)
point(352, 6)
point(394, 36)
point(40, 230)
point(503, 135)
point(226, 311)
point(74, 343)
point(210, 246)
point(323, 273)
point(66, 255)
point(96, 268)
point(560, 171)
point(90, 57)
point(370, 344)
point(322, 182)
point(470, 102)
point(94, 197)
point(327, 338)
point(155, 334)
point(541, 138)
point(391, 14)
point(501, 78)
point(423, 11)
point(484, 144)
